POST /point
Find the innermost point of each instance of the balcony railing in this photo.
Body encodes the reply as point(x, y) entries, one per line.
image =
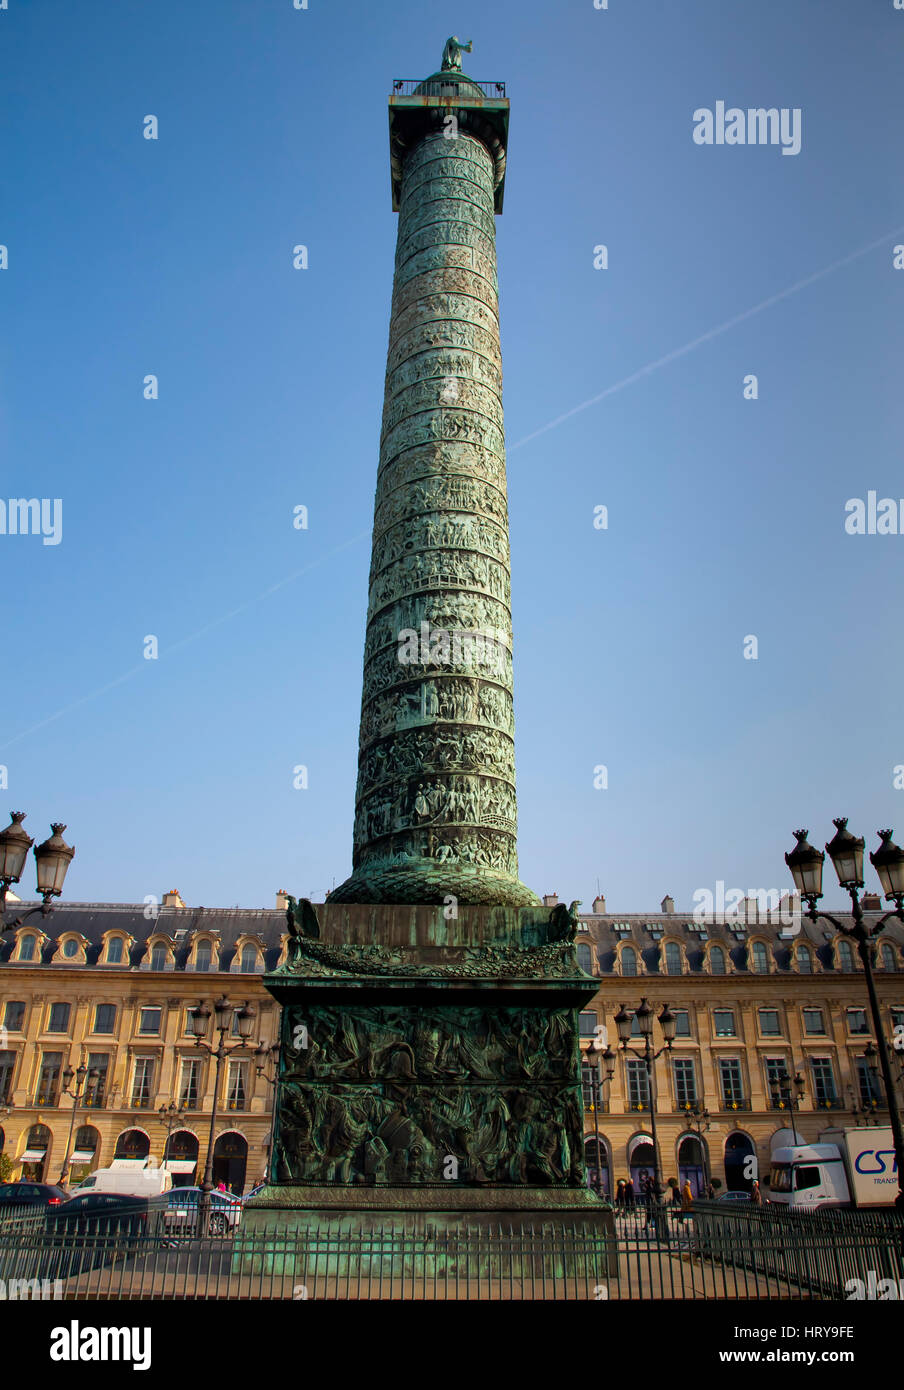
point(736, 1103)
point(47, 1098)
point(405, 86)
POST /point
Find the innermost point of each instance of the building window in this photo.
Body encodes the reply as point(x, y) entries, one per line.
point(49, 1080)
point(638, 1083)
point(27, 947)
point(685, 1080)
point(249, 960)
point(759, 958)
point(716, 960)
point(778, 1084)
point(887, 956)
point(824, 1092)
point(158, 958)
point(673, 963)
point(202, 956)
point(149, 1021)
point(59, 1018)
point(732, 1082)
point(770, 1023)
point(70, 947)
point(105, 1018)
point(897, 1018)
point(845, 955)
point(141, 1083)
point(14, 1015)
point(237, 1090)
point(723, 1021)
point(587, 1023)
point(7, 1067)
point(114, 950)
point(628, 960)
point(804, 960)
point(868, 1085)
point(682, 1023)
point(814, 1022)
point(585, 958)
point(190, 1082)
point(856, 1022)
point(96, 1087)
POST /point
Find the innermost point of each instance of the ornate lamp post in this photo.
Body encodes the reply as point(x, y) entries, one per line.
point(598, 1056)
point(782, 1098)
point(169, 1114)
point(698, 1122)
point(264, 1055)
point(846, 853)
point(78, 1076)
point(644, 1016)
point(52, 859)
point(223, 1011)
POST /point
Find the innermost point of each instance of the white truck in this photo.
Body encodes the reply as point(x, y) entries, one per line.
point(847, 1168)
point(128, 1181)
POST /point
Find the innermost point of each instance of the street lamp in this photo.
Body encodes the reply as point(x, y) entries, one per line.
point(846, 853)
point(600, 1057)
point(169, 1114)
point(199, 1021)
point(52, 860)
point(698, 1122)
point(667, 1022)
point(78, 1076)
point(868, 1107)
point(264, 1055)
point(782, 1098)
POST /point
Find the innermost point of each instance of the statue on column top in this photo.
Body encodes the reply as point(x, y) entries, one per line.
point(452, 54)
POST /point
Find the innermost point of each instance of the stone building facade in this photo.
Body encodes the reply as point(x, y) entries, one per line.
point(106, 986)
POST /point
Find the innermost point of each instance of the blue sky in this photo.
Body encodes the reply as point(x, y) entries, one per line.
point(726, 516)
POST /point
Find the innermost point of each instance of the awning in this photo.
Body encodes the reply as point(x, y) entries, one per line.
point(82, 1156)
point(129, 1165)
point(32, 1156)
point(181, 1165)
point(636, 1143)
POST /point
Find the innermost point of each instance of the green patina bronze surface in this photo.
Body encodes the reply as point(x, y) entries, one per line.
point(435, 807)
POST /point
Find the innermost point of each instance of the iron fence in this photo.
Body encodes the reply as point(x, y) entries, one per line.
point(661, 1253)
point(407, 86)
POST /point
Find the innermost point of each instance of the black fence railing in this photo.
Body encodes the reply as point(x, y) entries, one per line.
point(712, 1251)
point(406, 86)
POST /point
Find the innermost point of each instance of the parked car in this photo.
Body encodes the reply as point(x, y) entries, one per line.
point(255, 1191)
point(31, 1194)
point(733, 1196)
point(182, 1211)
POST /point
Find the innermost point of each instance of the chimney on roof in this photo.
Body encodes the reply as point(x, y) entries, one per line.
point(667, 904)
point(282, 900)
point(599, 905)
point(870, 902)
point(551, 900)
point(173, 898)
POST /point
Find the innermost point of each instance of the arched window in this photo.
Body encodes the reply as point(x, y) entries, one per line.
point(887, 955)
point(158, 958)
point(114, 950)
point(672, 958)
point(585, 958)
point(804, 960)
point(249, 960)
point(759, 958)
point(845, 955)
point(716, 960)
point(202, 956)
point(628, 960)
point(70, 947)
point(27, 947)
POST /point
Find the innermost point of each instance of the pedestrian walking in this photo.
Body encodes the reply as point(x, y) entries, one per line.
point(756, 1195)
point(629, 1193)
point(687, 1197)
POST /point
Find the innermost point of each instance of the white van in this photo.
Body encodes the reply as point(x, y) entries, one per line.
point(128, 1182)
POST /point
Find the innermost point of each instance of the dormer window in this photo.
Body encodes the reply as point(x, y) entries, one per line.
point(249, 960)
point(158, 958)
point(113, 954)
point(203, 956)
point(27, 945)
point(70, 947)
